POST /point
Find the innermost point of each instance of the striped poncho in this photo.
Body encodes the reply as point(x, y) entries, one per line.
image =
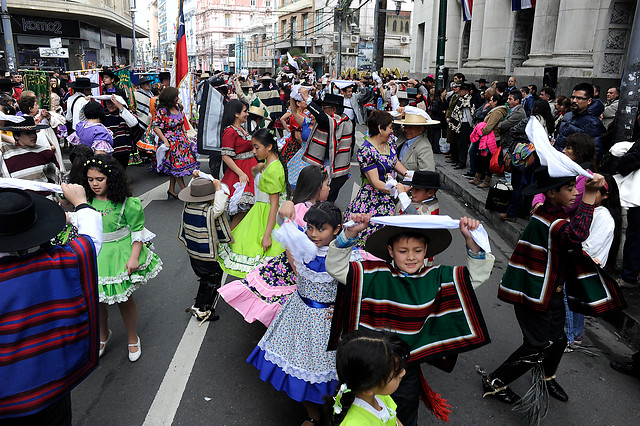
point(538, 266)
point(49, 332)
point(435, 311)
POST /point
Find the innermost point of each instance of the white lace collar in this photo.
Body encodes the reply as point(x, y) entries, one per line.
point(384, 414)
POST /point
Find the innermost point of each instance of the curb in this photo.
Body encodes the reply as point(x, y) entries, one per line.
point(626, 322)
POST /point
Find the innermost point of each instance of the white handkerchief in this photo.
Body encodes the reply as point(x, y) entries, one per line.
point(296, 241)
point(30, 185)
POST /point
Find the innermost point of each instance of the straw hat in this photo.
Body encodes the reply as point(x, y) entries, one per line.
point(415, 120)
point(260, 112)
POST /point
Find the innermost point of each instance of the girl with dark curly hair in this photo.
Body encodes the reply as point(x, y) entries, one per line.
point(125, 262)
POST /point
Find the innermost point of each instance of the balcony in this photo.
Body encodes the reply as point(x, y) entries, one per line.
point(295, 6)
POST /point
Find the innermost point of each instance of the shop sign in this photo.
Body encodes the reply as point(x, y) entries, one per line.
point(54, 52)
point(52, 27)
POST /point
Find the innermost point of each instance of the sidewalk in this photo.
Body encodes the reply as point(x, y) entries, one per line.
point(626, 323)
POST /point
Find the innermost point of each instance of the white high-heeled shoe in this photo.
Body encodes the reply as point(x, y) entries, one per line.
point(133, 356)
point(104, 344)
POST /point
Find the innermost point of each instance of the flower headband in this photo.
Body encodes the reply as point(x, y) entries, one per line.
point(97, 163)
point(337, 405)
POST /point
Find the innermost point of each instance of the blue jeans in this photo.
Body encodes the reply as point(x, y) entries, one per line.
point(631, 251)
point(473, 152)
point(573, 324)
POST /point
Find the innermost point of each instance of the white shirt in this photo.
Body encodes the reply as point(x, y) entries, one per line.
point(348, 110)
point(76, 114)
point(600, 238)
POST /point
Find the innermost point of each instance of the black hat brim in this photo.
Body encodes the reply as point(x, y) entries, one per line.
point(534, 188)
point(24, 129)
point(109, 74)
point(74, 85)
point(145, 81)
point(50, 221)
point(377, 243)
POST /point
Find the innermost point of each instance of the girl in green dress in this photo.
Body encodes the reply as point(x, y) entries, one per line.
point(253, 245)
point(125, 262)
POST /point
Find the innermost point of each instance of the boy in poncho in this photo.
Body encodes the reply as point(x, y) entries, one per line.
point(432, 308)
point(547, 258)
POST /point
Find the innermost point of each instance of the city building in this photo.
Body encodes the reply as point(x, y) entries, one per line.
point(219, 28)
point(190, 27)
point(98, 32)
point(167, 20)
point(558, 42)
point(313, 27)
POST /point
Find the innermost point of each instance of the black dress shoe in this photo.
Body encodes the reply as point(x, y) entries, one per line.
point(460, 167)
point(469, 175)
point(629, 368)
point(556, 391)
point(505, 394)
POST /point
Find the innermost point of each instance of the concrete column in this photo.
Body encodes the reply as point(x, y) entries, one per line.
point(475, 37)
point(545, 23)
point(575, 33)
point(452, 46)
point(495, 34)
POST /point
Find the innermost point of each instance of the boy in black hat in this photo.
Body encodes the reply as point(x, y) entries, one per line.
point(423, 187)
point(109, 80)
point(548, 258)
point(75, 104)
point(25, 159)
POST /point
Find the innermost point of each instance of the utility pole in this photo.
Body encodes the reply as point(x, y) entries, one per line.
point(442, 38)
point(132, 10)
point(8, 38)
point(339, 41)
point(376, 22)
point(628, 103)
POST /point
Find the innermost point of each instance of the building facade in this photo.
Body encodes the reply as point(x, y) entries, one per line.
point(167, 20)
point(559, 42)
point(96, 32)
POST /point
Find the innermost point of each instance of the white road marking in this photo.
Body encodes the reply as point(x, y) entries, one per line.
point(157, 193)
point(167, 400)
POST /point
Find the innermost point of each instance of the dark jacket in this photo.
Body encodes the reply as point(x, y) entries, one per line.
point(587, 122)
point(630, 162)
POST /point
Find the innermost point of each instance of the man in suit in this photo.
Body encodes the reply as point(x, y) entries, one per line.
point(414, 148)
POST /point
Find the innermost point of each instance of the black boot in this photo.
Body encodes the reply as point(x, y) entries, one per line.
point(496, 389)
point(556, 391)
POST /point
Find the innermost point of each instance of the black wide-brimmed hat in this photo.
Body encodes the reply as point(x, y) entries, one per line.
point(331, 99)
point(82, 83)
point(542, 182)
point(164, 75)
point(26, 125)
point(481, 80)
point(145, 78)
point(6, 85)
point(198, 191)
point(109, 73)
point(27, 220)
point(426, 180)
point(437, 240)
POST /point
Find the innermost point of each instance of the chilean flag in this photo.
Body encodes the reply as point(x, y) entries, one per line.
point(467, 6)
point(181, 61)
point(522, 4)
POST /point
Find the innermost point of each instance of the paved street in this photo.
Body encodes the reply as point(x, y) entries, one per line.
point(198, 375)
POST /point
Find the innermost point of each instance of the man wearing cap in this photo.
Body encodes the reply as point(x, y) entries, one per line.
point(414, 148)
point(44, 359)
point(143, 101)
point(109, 80)
point(330, 142)
point(75, 104)
point(482, 85)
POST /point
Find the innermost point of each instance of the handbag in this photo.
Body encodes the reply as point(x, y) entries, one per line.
point(444, 146)
point(498, 198)
point(521, 155)
point(495, 166)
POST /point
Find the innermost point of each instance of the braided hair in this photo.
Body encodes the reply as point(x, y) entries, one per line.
point(267, 138)
point(365, 359)
point(118, 185)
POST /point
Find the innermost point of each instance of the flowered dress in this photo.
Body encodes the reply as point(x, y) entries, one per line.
point(369, 199)
point(122, 225)
point(180, 160)
point(246, 253)
point(236, 143)
point(268, 287)
point(292, 355)
point(296, 163)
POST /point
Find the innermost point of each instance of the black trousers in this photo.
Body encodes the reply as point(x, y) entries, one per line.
point(122, 158)
point(336, 184)
point(407, 396)
point(543, 337)
point(57, 414)
point(210, 275)
point(215, 162)
point(462, 143)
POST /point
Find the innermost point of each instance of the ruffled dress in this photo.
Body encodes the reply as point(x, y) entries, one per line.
point(180, 160)
point(122, 225)
point(236, 143)
point(246, 253)
point(296, 163)
point(94, 135)
point(292, 355)
point(268, 287)
point(369, 199)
